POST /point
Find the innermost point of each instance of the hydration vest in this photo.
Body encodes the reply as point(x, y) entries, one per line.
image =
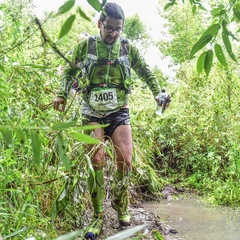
point(92, 65)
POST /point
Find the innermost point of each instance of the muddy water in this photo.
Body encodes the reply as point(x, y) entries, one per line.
point(196, 221)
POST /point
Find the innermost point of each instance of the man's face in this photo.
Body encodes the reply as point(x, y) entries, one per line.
point(110, 29)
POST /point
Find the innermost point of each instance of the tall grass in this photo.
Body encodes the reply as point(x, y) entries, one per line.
point(44, 170)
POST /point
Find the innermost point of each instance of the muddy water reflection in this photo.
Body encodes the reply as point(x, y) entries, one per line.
point(195, 221)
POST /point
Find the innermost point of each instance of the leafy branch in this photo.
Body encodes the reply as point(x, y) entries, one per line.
point(53, 45)
point(223, 15)
point(23, 41)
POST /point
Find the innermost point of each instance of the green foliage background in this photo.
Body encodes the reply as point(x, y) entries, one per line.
point(44, 169)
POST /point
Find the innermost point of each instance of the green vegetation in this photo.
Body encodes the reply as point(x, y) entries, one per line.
point(44, 170)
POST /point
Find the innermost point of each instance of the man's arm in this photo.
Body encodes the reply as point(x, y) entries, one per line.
point(67, 78)
point(144, 72)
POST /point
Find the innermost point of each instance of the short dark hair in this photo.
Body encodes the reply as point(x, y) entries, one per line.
point(112, 10)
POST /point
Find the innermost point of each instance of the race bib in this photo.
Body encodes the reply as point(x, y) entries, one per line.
point(103, 99)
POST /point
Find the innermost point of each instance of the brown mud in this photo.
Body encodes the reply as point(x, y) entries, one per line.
point(139, 216)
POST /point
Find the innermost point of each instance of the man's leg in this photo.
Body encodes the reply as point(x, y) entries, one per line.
point(95, 187)
point(96, 190)
point(122, 141)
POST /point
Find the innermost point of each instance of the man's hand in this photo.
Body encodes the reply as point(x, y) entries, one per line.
point(167, 102)
point(59, 104)
point(163, 100)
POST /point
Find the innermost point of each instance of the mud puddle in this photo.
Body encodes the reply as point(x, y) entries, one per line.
point(194, 220)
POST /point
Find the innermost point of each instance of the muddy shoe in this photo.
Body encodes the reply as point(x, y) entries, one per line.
point(124, 217)
point(95, 227)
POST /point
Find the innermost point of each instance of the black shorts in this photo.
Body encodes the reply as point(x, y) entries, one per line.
point(115, 119)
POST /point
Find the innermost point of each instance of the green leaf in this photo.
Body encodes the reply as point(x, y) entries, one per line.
point(103, 3)
point(157, 235)
point(168, 6)
point(16, 233)
point(7, 135)
point(208, 61)
point(62, 152)
point(63, 125)
point(91, 173)
point(220, 55)
point(194, 8)
point(228, 45)
point(127, 232)
point(202, 7)
point(55, 205)
point(36, 146)
point(66, 27)
point(212, 30)
point(211, 154)
point(91, 127)
point(224, 26)
point(2, 68)
point(200, 44)
point(19, 135)
point(66, 6)
point(218, 11)
point(84, 138)
point(90, 169)
point(71, 235)
point(54, 211)
point(83, 15)
point(200, 62)
point(236, 5)
point(36, 66)
point(236, 12)
point(95, 4)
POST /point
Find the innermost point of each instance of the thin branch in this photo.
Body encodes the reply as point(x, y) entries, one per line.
point(23, 41)
point(53, 45)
